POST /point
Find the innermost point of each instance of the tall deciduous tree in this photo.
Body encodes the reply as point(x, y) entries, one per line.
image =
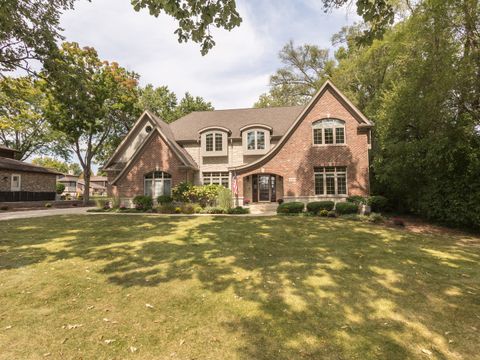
point(191, 103)
point(59, 165)
point(420, 86)
point(23, 125)
point(305, 69)
point(89, 101)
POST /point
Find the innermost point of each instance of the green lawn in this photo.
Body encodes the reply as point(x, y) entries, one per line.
point(234, 288)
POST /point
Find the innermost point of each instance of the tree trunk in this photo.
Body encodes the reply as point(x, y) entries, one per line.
point(86, 179)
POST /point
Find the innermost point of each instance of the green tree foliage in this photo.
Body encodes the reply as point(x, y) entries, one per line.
point(59, 165)
point(23, 125)
point(195, 17)
point(305, 69)
point(420, 86)
point(90, 102)
point(163, 103)
point(29, 30)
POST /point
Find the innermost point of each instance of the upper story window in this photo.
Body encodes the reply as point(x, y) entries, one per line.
point(256, 140)
point(329, 132)
point(214, 141)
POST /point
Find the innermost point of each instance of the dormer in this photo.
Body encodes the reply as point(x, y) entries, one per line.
point(256, 139)
point(213, 141)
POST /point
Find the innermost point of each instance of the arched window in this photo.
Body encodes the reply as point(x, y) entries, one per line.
point(157, 183)
point(328, 132)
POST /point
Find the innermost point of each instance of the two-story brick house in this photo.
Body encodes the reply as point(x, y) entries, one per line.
point(306, 153)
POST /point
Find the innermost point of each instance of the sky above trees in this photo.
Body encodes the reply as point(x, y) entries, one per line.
point(233, 74)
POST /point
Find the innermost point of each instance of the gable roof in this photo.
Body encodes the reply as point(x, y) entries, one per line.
point(279, 119)
point(165, 133)
point(17, 165)
point(363, 121)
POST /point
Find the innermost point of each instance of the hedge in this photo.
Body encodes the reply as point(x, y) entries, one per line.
point(378, 203)
point(143, 202)
point(346, 208)
point(316, 206)
point(290, 208)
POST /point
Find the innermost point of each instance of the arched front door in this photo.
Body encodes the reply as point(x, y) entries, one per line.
point(264, 188)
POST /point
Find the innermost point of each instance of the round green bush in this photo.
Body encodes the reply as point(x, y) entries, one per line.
point(378, 203)
point(323, 212)
point(60, 188)
point(238, 210)
point(143, 202)
point(290, 208)
point(343, 208)
point(316, 206)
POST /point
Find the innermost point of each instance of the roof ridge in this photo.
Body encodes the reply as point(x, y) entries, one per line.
point(250, 108)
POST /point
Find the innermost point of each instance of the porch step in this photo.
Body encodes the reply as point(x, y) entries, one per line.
point(262, 208)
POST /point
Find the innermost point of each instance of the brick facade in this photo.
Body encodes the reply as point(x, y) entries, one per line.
point(295, 161)
point(30, 181)
point(156, 155)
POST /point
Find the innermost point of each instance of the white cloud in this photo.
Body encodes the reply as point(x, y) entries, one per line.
point(236, 70)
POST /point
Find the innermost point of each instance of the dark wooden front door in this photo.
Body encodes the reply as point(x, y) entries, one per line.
point(264, 188)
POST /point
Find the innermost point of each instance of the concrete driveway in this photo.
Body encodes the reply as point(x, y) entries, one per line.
point(40, 213)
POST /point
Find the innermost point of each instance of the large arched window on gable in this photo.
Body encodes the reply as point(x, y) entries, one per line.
point(329, 132)
point(157, 183)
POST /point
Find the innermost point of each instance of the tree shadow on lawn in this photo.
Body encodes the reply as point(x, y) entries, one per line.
point(320, 288)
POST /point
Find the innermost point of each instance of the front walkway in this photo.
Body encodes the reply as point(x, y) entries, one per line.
point(40, 213)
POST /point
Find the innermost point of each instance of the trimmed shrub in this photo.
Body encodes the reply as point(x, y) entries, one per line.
point(4, 207)
point(343, 208)
point(332, 214)
point(238, 211)
point(48, 205)
point(323, 212)
point(164, 199)
point(317, 206)
point(178, 210)
point(224, 198)
point(378, 203)
point(143, 202)
point(198, 209)
point(291, 208)
point(59, 188)
point(213, 210)
point(357, 199)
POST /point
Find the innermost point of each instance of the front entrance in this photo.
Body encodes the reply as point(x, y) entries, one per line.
point(264, 188)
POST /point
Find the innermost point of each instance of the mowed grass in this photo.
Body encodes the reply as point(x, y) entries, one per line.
point(77, 287)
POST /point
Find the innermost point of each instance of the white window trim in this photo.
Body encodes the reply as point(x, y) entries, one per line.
point(152, 180)
point(19, 188)
point(324, 175)
point(226, 175)
point(318, 125)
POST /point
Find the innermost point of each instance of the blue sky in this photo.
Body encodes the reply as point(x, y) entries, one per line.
point(233, 74)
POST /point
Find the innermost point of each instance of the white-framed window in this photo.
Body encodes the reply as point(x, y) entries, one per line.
point(330, 180)
point(256, 140)
point(217, 178)
point(16, 183)
point(157, 183)
point(214, 141)
point(329, 132)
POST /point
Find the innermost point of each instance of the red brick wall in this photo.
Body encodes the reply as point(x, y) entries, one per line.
point(296, 159)
point(155, 156)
